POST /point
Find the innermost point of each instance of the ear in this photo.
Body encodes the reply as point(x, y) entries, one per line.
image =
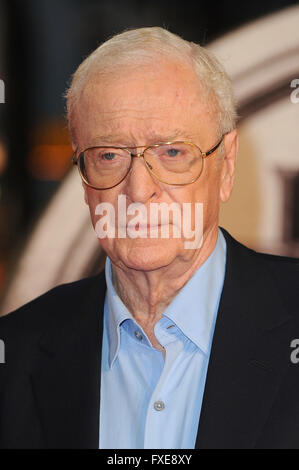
point(74, 145)
point(231, 143)
point(85, 193)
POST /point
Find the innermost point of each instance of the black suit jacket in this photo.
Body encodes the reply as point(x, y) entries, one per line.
point(50, 384)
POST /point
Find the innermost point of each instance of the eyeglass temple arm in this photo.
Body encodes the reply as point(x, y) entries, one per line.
point(206, 154)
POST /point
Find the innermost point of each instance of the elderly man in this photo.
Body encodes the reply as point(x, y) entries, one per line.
point(176, 345)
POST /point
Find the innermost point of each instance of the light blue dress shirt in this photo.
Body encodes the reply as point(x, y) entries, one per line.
point(147, 401)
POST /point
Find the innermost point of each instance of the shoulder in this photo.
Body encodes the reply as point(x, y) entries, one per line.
point(284, 268)
point(273, 272)
point(59, 305)
point(285, 274)
point(276, 262)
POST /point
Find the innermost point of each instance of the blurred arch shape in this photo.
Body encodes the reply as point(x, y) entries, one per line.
point(262, 59)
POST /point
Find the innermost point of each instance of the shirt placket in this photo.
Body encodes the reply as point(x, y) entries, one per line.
point(158, 408)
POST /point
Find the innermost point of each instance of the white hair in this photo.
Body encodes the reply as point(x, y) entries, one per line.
point(143, 46)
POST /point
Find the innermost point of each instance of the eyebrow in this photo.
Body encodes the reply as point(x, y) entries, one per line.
point(153, 138)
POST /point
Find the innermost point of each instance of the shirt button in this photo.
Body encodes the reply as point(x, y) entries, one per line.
point(159, 405)
point(138, 335)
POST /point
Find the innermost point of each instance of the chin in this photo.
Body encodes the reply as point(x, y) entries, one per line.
point(147, 254)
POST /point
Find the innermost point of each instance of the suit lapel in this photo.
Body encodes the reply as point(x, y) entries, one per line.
point(66, 382)
point(249, 354)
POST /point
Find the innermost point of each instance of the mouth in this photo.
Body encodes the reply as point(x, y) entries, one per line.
point(139, 226)
point(149, 231)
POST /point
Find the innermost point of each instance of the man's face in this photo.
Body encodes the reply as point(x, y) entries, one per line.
point(142, 106)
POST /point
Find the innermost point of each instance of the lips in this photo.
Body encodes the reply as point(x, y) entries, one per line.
point(146, 226)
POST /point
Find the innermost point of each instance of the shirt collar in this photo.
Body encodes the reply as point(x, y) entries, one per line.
point(193, 310)
point(117, 314)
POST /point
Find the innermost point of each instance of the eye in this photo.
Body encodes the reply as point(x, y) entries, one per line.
point(108, 156)
point(173, 152)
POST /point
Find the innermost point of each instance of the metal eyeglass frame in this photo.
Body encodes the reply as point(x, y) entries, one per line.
point(204, 155)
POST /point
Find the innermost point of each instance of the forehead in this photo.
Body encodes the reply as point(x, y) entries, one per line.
point(144, 103)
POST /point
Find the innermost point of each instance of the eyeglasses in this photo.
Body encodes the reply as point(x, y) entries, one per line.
point(173, 163)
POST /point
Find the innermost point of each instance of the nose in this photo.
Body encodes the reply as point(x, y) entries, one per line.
point(141, 186)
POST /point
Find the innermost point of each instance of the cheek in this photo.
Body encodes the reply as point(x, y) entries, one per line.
point(206, 191)
point(92, 200)
point(95, 197)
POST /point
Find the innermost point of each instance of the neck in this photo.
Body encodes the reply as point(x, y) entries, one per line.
point(147, 294)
